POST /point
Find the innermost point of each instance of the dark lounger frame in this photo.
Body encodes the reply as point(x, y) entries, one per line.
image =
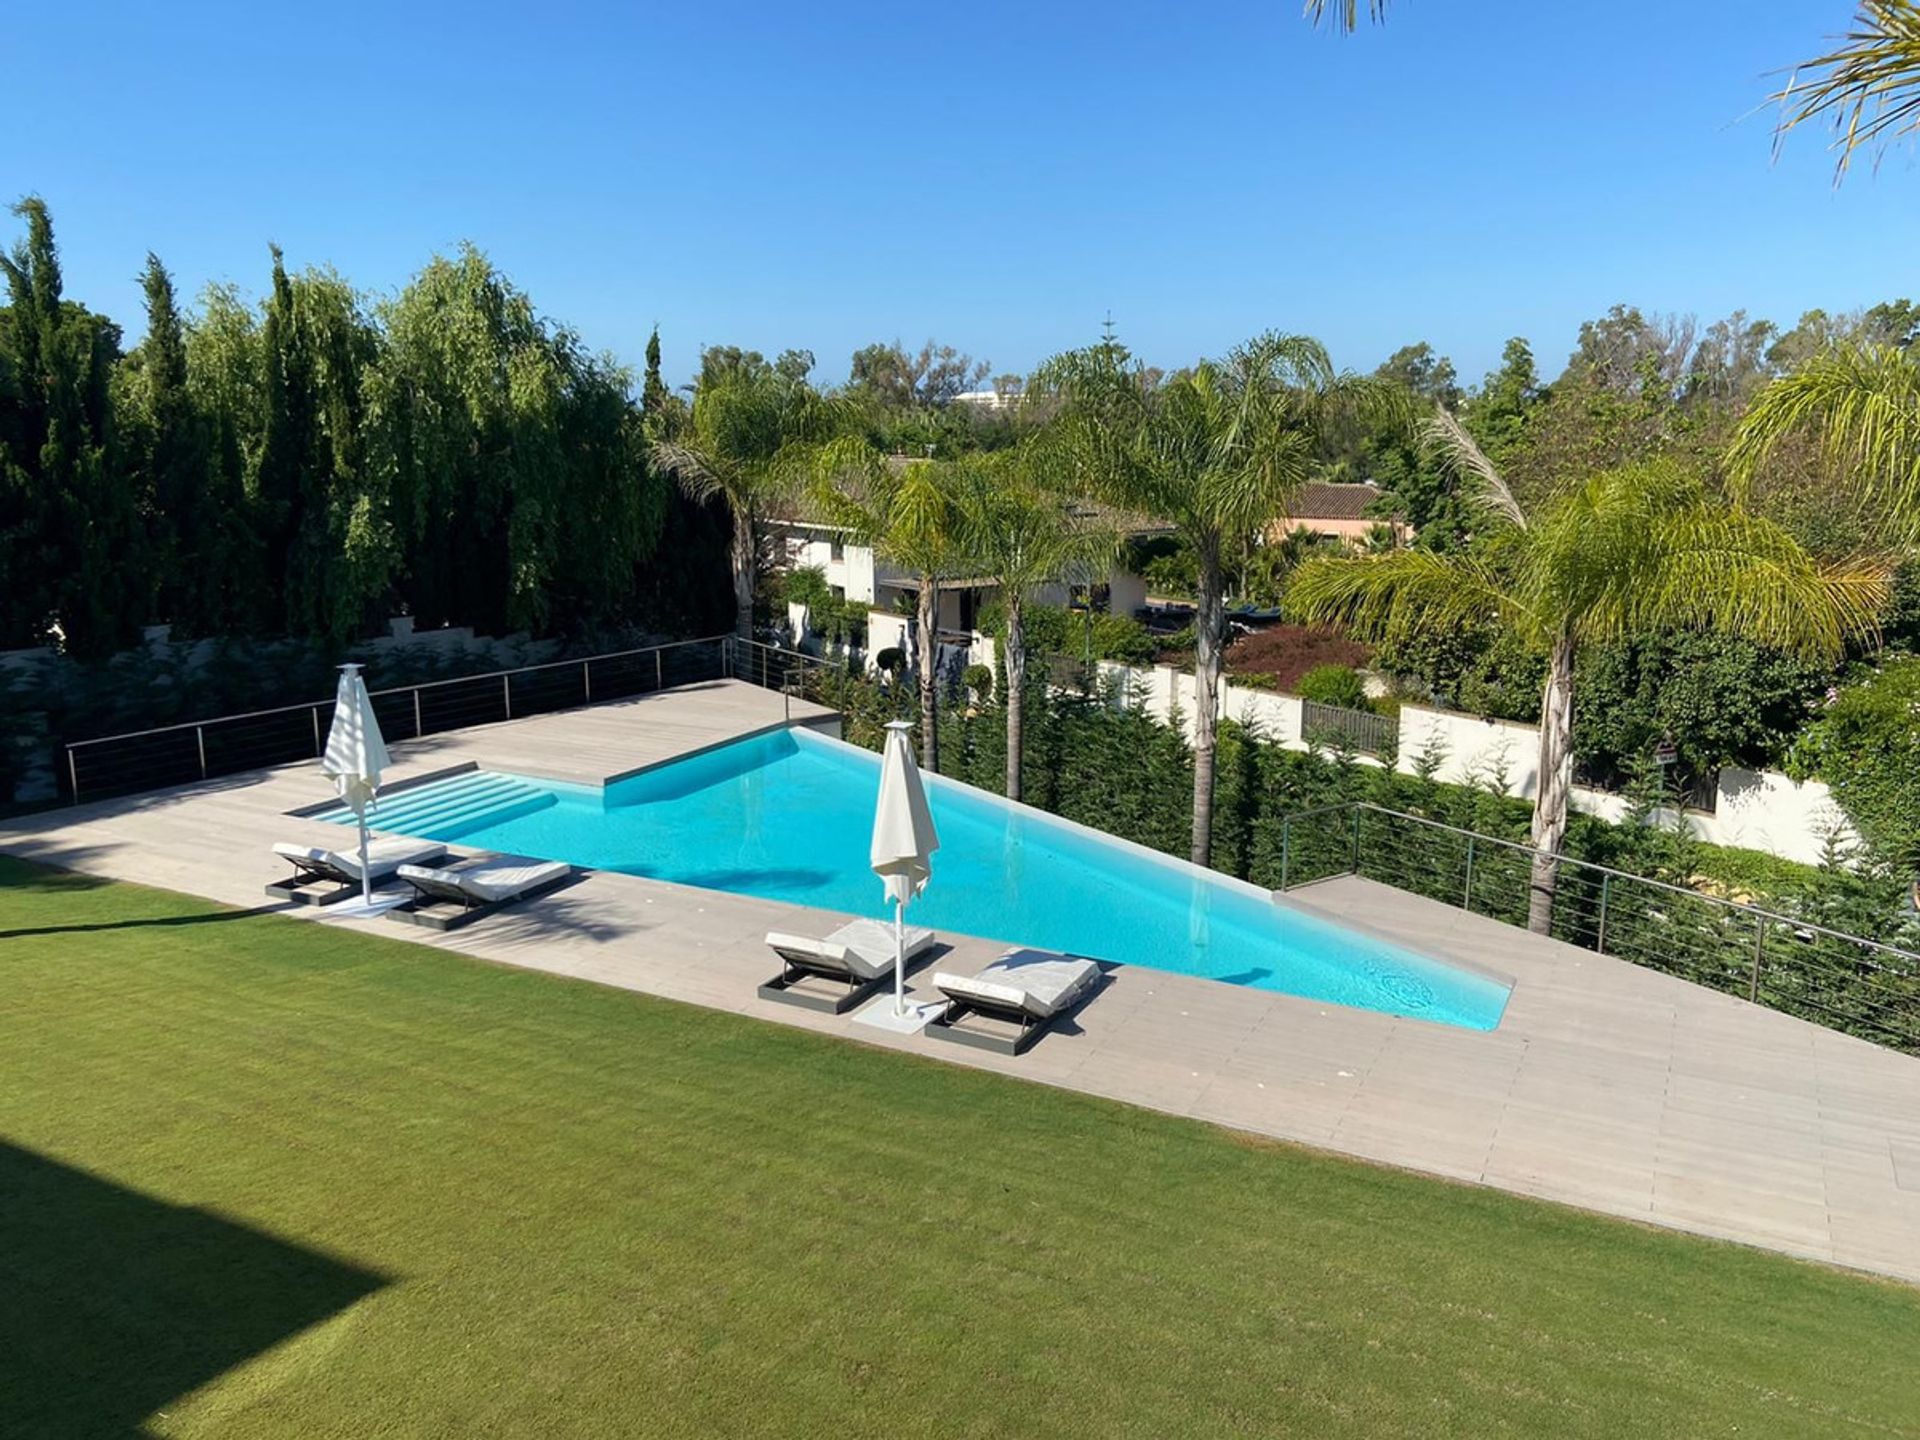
point(302, 887)
point(437, 909)
point(856, 993)
point(1028, 1026)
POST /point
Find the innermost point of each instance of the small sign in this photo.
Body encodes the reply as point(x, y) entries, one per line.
point(1666, 753)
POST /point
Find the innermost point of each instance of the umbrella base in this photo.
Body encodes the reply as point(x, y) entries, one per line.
point(879, 1013)
point(359, 909)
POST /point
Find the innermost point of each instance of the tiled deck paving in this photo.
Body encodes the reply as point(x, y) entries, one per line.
point(1605, 1086)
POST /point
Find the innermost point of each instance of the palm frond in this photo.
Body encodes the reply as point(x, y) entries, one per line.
point(1485, 487)
point(1345, 13)
point(1406, 592)
point(1862, 405)
point(1868, 88)
point(697, 475)
point(1642, 550)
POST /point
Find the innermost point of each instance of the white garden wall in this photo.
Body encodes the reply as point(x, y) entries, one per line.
point(1755, 810)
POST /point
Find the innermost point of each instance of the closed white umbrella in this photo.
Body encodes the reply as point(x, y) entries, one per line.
point(355, 756)
point(903, 842)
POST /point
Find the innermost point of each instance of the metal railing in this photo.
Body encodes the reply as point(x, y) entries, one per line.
point(794, 673)
point(1361, 730)
point(1792, 963)
point(192, 750)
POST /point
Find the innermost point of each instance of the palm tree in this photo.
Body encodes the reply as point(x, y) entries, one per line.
point(1216, 451)
point(1623, 553)
point(1861, 404)
point(1867, 87)
point(1016, 526)
point(744, 444)
point(908, 515)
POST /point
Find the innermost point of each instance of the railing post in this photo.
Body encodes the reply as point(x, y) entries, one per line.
point(73, 775)
point(506, 692)
point(1466, 900)
point(200, 739)
point(1356, 839)
point(1759, 945)
point(1606, 886)
point(316, 729)
point(1286, 848)
point(418, 728)
point(659, 682)
point(586, 680)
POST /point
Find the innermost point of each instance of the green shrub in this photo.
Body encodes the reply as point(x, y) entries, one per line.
point(893, 660)
point(806, 585)
point(1722, 700)
point(1866, 745)
point(979, 679)
point(1335, 685)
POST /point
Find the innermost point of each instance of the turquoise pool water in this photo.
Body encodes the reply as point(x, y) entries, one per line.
point(788, 816)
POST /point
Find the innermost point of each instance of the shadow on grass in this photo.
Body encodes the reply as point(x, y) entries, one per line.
point(116, 1303)
point(211, 917)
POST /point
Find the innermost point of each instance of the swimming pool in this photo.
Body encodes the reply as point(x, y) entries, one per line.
point(788, 815)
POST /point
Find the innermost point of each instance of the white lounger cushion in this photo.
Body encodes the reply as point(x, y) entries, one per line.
point(384, 856)
point(863, 947)
point(492, 880)
point(1040, 982)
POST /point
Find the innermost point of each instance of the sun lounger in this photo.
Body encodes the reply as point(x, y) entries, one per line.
point(1030, 990)
point(445, 898)
point(316, 867)
point(846, 969)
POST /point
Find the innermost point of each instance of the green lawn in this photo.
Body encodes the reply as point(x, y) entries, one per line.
point(262, 1177)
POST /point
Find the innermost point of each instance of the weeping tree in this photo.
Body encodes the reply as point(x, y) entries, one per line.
point(744, 445)
point(1217, 451)
point(1016, 525)
point(510, 458)
point(911, 517)
point(1630, 552)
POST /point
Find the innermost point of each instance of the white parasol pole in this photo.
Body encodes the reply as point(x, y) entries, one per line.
point(899, 958)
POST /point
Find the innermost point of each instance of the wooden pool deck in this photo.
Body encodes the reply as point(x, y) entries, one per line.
point(1605, 1086)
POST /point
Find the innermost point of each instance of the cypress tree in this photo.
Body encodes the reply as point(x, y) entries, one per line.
point(67, 511)
point(182, 552)
point(286, 425)
point(654, 395)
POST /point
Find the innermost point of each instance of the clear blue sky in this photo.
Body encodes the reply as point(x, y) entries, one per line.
point(997, 175)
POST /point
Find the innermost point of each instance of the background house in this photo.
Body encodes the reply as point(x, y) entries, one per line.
point(853, 572)
point(1334, 511)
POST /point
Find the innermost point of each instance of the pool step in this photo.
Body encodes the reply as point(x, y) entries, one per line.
point(432, 804)
point(449, 808)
